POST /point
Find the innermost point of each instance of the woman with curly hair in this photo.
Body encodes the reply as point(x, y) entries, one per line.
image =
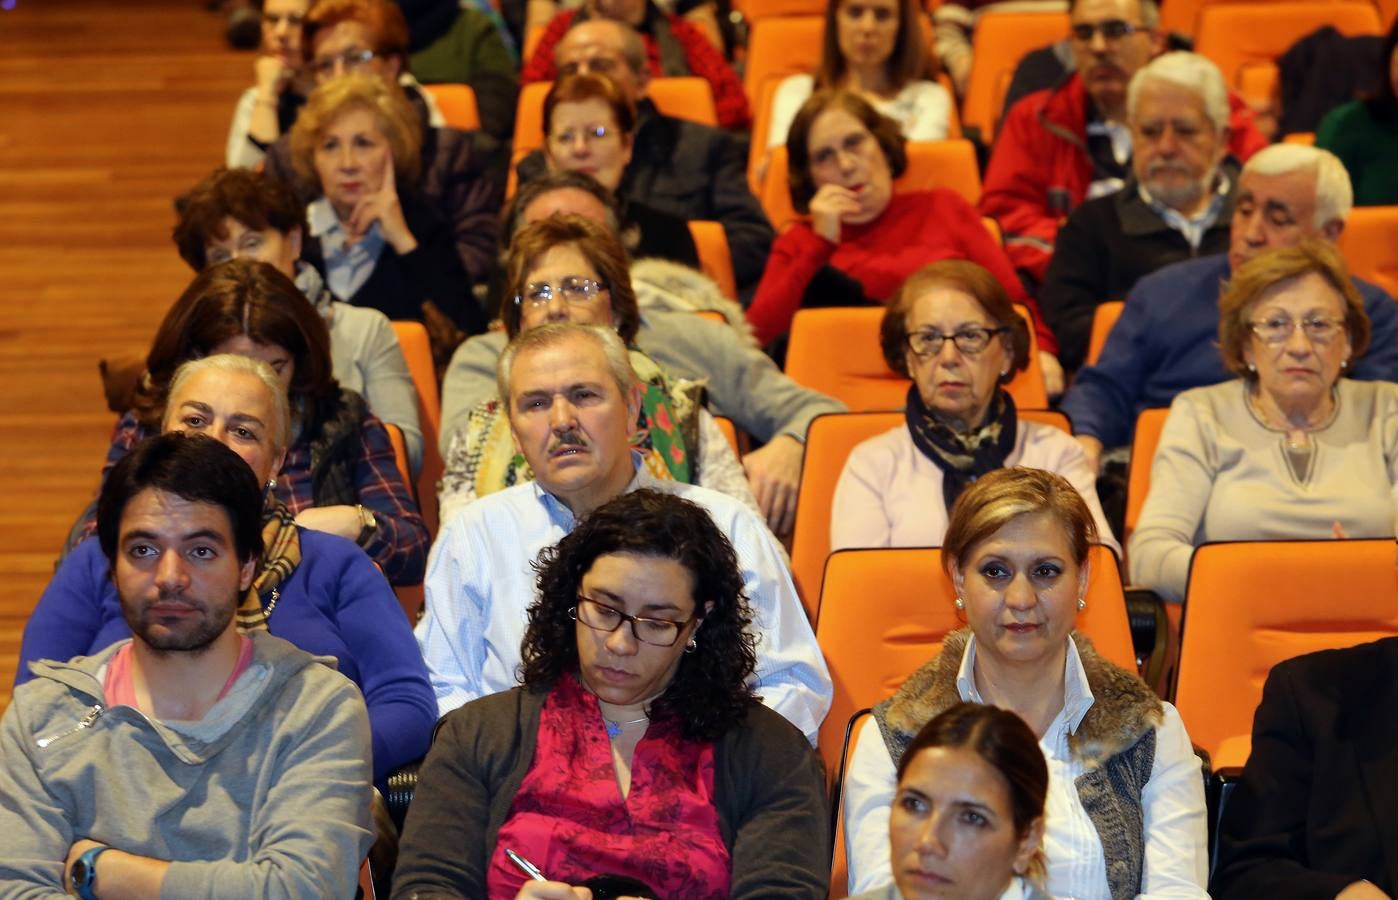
point(635, 750)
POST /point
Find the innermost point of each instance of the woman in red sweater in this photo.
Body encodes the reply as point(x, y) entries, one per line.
point(862, 241)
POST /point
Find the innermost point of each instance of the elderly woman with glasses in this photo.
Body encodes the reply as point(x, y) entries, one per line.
point(952, 329)
point(1289, 450)
point(570, 269)
point(634, 748)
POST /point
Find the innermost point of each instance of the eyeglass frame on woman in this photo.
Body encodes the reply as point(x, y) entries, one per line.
point(350, 59)
point(589, 134)
point(577, 616)
point(1111, 30)
point(929, 335)
point(1332, 326)
point(568, 286)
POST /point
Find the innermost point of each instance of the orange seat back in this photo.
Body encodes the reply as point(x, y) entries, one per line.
point(836, 351)
point(1243, 38)
point(1182, 16)
point(1250, 605)
point(829, 441)
point(931, 164)
point(412, 337)
point(1103, 319)
point(758, 10)
point(1369, 244)
point(886, 612)
point(1144, 439)
point(714, 257)
point(1000, 41)
point(457, 103)
point(730, 432)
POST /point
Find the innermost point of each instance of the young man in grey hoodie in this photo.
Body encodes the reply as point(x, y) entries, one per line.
point(191, 760)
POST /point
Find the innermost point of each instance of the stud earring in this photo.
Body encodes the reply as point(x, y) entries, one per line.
point(1252, 367)
point(691, 646)
point(1344, 364)
point(960, 603)
point(271, 484)
point(1082, 604)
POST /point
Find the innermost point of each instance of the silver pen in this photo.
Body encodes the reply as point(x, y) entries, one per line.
point(525, 865)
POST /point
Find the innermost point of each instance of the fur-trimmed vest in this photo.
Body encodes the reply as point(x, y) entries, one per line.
point(1115, 740)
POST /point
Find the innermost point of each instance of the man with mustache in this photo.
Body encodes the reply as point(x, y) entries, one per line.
point(1061, 146)
point(191, 760)
point(572, 400)
point(1176, 205)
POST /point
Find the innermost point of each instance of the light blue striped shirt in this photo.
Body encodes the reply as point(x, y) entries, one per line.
point(347, 266)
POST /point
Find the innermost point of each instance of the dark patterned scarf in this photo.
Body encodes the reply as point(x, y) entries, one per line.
point(281, 554)
point(963, 456)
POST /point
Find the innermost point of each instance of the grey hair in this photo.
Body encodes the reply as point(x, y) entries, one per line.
point(1334, 197)
point(245, 365)
point(1190, 71)
point(546, 183)
point(554, 333)
point(1150, 12)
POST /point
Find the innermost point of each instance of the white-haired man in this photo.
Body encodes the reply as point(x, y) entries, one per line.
point(1176, 205)
point(1166, 339)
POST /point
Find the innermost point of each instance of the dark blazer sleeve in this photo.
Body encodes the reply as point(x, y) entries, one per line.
point(771, 800)
point(1076, 282)
point(464, 174)
point(745, 224)
point(435, 265)
point(1266, 838)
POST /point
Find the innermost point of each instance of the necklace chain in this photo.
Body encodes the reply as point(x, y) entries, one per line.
point(615, 728)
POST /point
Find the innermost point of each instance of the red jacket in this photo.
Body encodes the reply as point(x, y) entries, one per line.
point(1041, 153)
point(703, 60)
point(917, 228)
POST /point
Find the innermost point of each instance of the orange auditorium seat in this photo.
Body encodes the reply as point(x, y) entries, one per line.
point(715, 259)
point(457, 103)
point(1369, 244)
point(1000, 41)
point(1103, 318)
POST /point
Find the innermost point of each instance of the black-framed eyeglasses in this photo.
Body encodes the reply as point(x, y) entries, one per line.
point(573, 289)
point(350, 59)
point(1276, 329)
point(1111, 30)
point(969, 341)
point(596, 65)
point(600, 617)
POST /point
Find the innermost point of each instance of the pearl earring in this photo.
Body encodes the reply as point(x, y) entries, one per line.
point(271, 484)
point(1252, 367)
point(1082, 604)
point(960, 603)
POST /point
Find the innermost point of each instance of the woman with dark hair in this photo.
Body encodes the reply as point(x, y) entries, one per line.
point(874, 48)
point(340, 474)
point(862, 240)
point(952, 330)
point(968, 817)
point(1125, 810)
point(266, 110)
point(634, 747)
point(570, 269)
point(1364, 134)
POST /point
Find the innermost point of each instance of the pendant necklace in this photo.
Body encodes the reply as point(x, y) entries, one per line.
point(614, 728)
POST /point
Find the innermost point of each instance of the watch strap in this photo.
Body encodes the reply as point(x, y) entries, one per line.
point(84, 871)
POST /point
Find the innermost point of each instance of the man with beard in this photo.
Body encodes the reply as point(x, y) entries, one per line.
point(572, 400)
point(1059, 147)
point(190, 760)
point(1175, 206)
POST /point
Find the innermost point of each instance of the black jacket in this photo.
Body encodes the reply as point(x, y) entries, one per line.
point(1317, 806)
point(1104, 248)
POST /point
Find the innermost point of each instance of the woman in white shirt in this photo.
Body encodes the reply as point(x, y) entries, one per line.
point(1125, 810)
point(874, 48)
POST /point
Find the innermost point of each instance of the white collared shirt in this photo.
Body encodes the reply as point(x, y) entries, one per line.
point(347, 266)
point(1176, 846)
point(480, 584)
point(1192, 228)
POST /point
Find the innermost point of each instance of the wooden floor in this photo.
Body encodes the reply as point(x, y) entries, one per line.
point(107, 111)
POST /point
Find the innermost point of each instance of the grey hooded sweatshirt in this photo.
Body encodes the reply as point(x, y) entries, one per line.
point(266, 796)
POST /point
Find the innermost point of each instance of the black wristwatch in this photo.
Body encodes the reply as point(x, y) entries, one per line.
point(84, 871)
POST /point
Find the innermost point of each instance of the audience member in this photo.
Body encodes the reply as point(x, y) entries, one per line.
point(862, 240)
point(1071, 143)
point(239, 213)
point(678, 167)
point(1125, 812)
point(1165, 340)
point(741, 382)
point(672, 47)
point(340, 474)
point(968, 816)
point(568, 269)
point(1175, 206)
point(1364, 134)
point(266, 110)
point(450, 42)
point(873, 48)
point(954, 25)
point(378, 242)
point(635, 746)
point(1290, 449)
point(590, 127)
point(191, 760)
point(572, 401)
point(316, 590)
point(951, 329)
point(1310, 816)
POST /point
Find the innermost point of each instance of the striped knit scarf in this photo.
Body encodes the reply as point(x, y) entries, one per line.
point(281, 554)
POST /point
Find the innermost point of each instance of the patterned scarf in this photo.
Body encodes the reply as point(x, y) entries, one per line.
point(963, 457)
point(281, 554)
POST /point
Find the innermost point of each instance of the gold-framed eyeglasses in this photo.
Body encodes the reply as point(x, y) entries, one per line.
point(600, 617)
point(970, 341)
point(573, 289)
point(351, 60)
point(1276, 329)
